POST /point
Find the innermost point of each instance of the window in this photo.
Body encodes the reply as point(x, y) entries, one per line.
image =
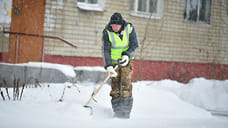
point(88, 1)
point(146, 8)
point(91, 5)
point(197, 11)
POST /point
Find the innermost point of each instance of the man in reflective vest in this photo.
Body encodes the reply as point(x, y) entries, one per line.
point(119, 45)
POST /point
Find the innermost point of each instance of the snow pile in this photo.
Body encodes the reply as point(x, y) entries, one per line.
point(94, 74)
point(208, 94)
point(155, 105)
point(32, 72)
point(65, 69)
point(95, 68)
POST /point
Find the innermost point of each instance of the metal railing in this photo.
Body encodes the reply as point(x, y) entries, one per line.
point(36, 35)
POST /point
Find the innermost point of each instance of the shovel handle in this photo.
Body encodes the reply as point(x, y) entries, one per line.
point(99, 88)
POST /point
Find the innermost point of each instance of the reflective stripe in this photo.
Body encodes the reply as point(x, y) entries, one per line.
point(127, 32)
point(115, 61)
point(120, 47)
point(114, 41)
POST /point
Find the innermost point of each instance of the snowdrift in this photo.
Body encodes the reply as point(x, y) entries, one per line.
point(160, 104)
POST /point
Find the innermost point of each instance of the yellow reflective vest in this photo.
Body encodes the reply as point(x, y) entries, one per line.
point(118, 46)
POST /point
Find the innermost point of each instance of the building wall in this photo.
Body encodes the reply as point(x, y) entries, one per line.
point(168, 38)
point(153, 70)
point(4, 45)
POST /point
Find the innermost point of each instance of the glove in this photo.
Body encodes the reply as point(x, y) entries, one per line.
point(111, 71)
point(124, 61)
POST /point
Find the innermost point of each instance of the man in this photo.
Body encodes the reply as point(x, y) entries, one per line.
point(119, 45)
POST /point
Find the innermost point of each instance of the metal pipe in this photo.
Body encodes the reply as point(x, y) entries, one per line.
point(42, 57)
point(16, 50)
point(42, 36)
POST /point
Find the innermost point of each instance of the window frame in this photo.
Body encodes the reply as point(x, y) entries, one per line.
point(99, 6)
point(155, 15)
point(197, 19)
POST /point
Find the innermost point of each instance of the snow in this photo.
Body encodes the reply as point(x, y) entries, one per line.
point(208, 94)
point(67, 70)
point(88, 68)
point(158, 104)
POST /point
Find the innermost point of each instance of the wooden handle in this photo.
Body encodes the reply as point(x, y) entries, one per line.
point(102, 84)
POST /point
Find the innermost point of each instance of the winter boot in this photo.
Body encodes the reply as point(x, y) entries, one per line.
point(122, 107)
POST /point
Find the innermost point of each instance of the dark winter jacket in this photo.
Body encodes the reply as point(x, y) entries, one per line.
point(106, 47)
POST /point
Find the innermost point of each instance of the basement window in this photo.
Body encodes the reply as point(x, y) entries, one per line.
point(146, 8)
point(91, 5)
point(197, 11)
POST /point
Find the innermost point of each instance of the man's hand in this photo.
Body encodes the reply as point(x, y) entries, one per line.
point(124, 61)
point(111, 71)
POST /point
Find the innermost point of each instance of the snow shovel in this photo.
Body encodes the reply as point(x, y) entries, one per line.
point(98, 89)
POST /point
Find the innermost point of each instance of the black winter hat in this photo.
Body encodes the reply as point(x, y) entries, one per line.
point(116, 18)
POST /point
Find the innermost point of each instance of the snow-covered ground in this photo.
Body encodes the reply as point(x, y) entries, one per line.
point(157, 104)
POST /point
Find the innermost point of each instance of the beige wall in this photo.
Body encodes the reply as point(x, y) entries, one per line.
point(168, 38)
point(4, 38)
point(4, 42)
